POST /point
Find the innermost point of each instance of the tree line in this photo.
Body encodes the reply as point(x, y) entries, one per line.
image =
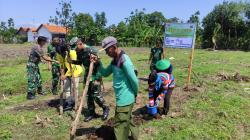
point(227, 26)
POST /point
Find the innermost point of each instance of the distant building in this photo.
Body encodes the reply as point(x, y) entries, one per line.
point(51, 31)
point(48, 30)
point(27, 34)
point(32, 34)
point(22, 32)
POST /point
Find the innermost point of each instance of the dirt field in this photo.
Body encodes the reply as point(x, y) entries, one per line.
point(214, 107)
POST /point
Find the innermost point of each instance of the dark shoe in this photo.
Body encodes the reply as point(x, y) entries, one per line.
point(67, 108)
point(89, 118)
point(165, 111)
point(30, 96)
point(54, 91)
point(105, 113)
point(40, 91)
point(69, 104)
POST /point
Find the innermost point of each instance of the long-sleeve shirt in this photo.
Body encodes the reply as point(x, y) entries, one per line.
point(125, 82)
point(83, 58)
point(163, 82)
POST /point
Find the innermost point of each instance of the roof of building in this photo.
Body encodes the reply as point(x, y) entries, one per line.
point(32, 29)
point(53, 28)
point(22, 29)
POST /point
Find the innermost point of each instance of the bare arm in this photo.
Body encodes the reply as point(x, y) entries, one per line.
point(49, 65)
point(47, 58)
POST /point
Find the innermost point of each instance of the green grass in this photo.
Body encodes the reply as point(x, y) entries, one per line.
point(219, 111)
point(13, 78)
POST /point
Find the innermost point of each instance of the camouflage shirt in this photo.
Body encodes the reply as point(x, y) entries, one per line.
point(83, 58)
point(36, 54)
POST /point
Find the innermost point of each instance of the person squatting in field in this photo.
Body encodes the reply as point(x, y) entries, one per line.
point(161, 84)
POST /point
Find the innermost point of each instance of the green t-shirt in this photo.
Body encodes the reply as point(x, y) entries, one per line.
point(156, 53)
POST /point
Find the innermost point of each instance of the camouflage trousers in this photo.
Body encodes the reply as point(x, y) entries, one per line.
point(55, 77)
point(34, 78)
point(95, 94)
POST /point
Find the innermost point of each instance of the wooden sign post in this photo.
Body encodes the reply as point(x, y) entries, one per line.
point(181, 35)
point(191, 59)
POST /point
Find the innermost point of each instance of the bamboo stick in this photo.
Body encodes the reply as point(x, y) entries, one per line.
point(75, 122)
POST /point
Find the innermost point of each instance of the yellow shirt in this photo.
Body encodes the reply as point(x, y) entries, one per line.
point(76, 69)
point(60, 59)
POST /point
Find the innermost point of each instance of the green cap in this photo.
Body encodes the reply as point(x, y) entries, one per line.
point(162, 64)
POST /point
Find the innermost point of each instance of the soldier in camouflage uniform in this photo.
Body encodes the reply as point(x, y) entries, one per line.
point(33, 73)
point(94, 91)
point(54, 67)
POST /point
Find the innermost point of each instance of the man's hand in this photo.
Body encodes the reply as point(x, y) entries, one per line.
point(157, 102)
point(151, 102)
point(63, 77)
point(56, 61)
point(93, 58)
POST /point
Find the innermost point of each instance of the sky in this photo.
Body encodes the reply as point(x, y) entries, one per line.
point(35, 12)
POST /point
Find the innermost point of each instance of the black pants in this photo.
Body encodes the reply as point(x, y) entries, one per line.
point(167, 97)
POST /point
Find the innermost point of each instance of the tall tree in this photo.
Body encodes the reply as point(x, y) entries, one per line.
point(121, 32)
point(231, 17)
point(84, 26)
point(174, 20)
point(11, 23)
point(215, 35)
point(194, 18)
point(156, 19)
point(100, 23)
point(7, 31)
point(64, 15)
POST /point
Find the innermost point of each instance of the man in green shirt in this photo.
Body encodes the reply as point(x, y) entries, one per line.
point(94, 92)
point(125, 85)
point(156, 54)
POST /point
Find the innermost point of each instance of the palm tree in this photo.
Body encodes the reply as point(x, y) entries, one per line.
point(215, 35)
